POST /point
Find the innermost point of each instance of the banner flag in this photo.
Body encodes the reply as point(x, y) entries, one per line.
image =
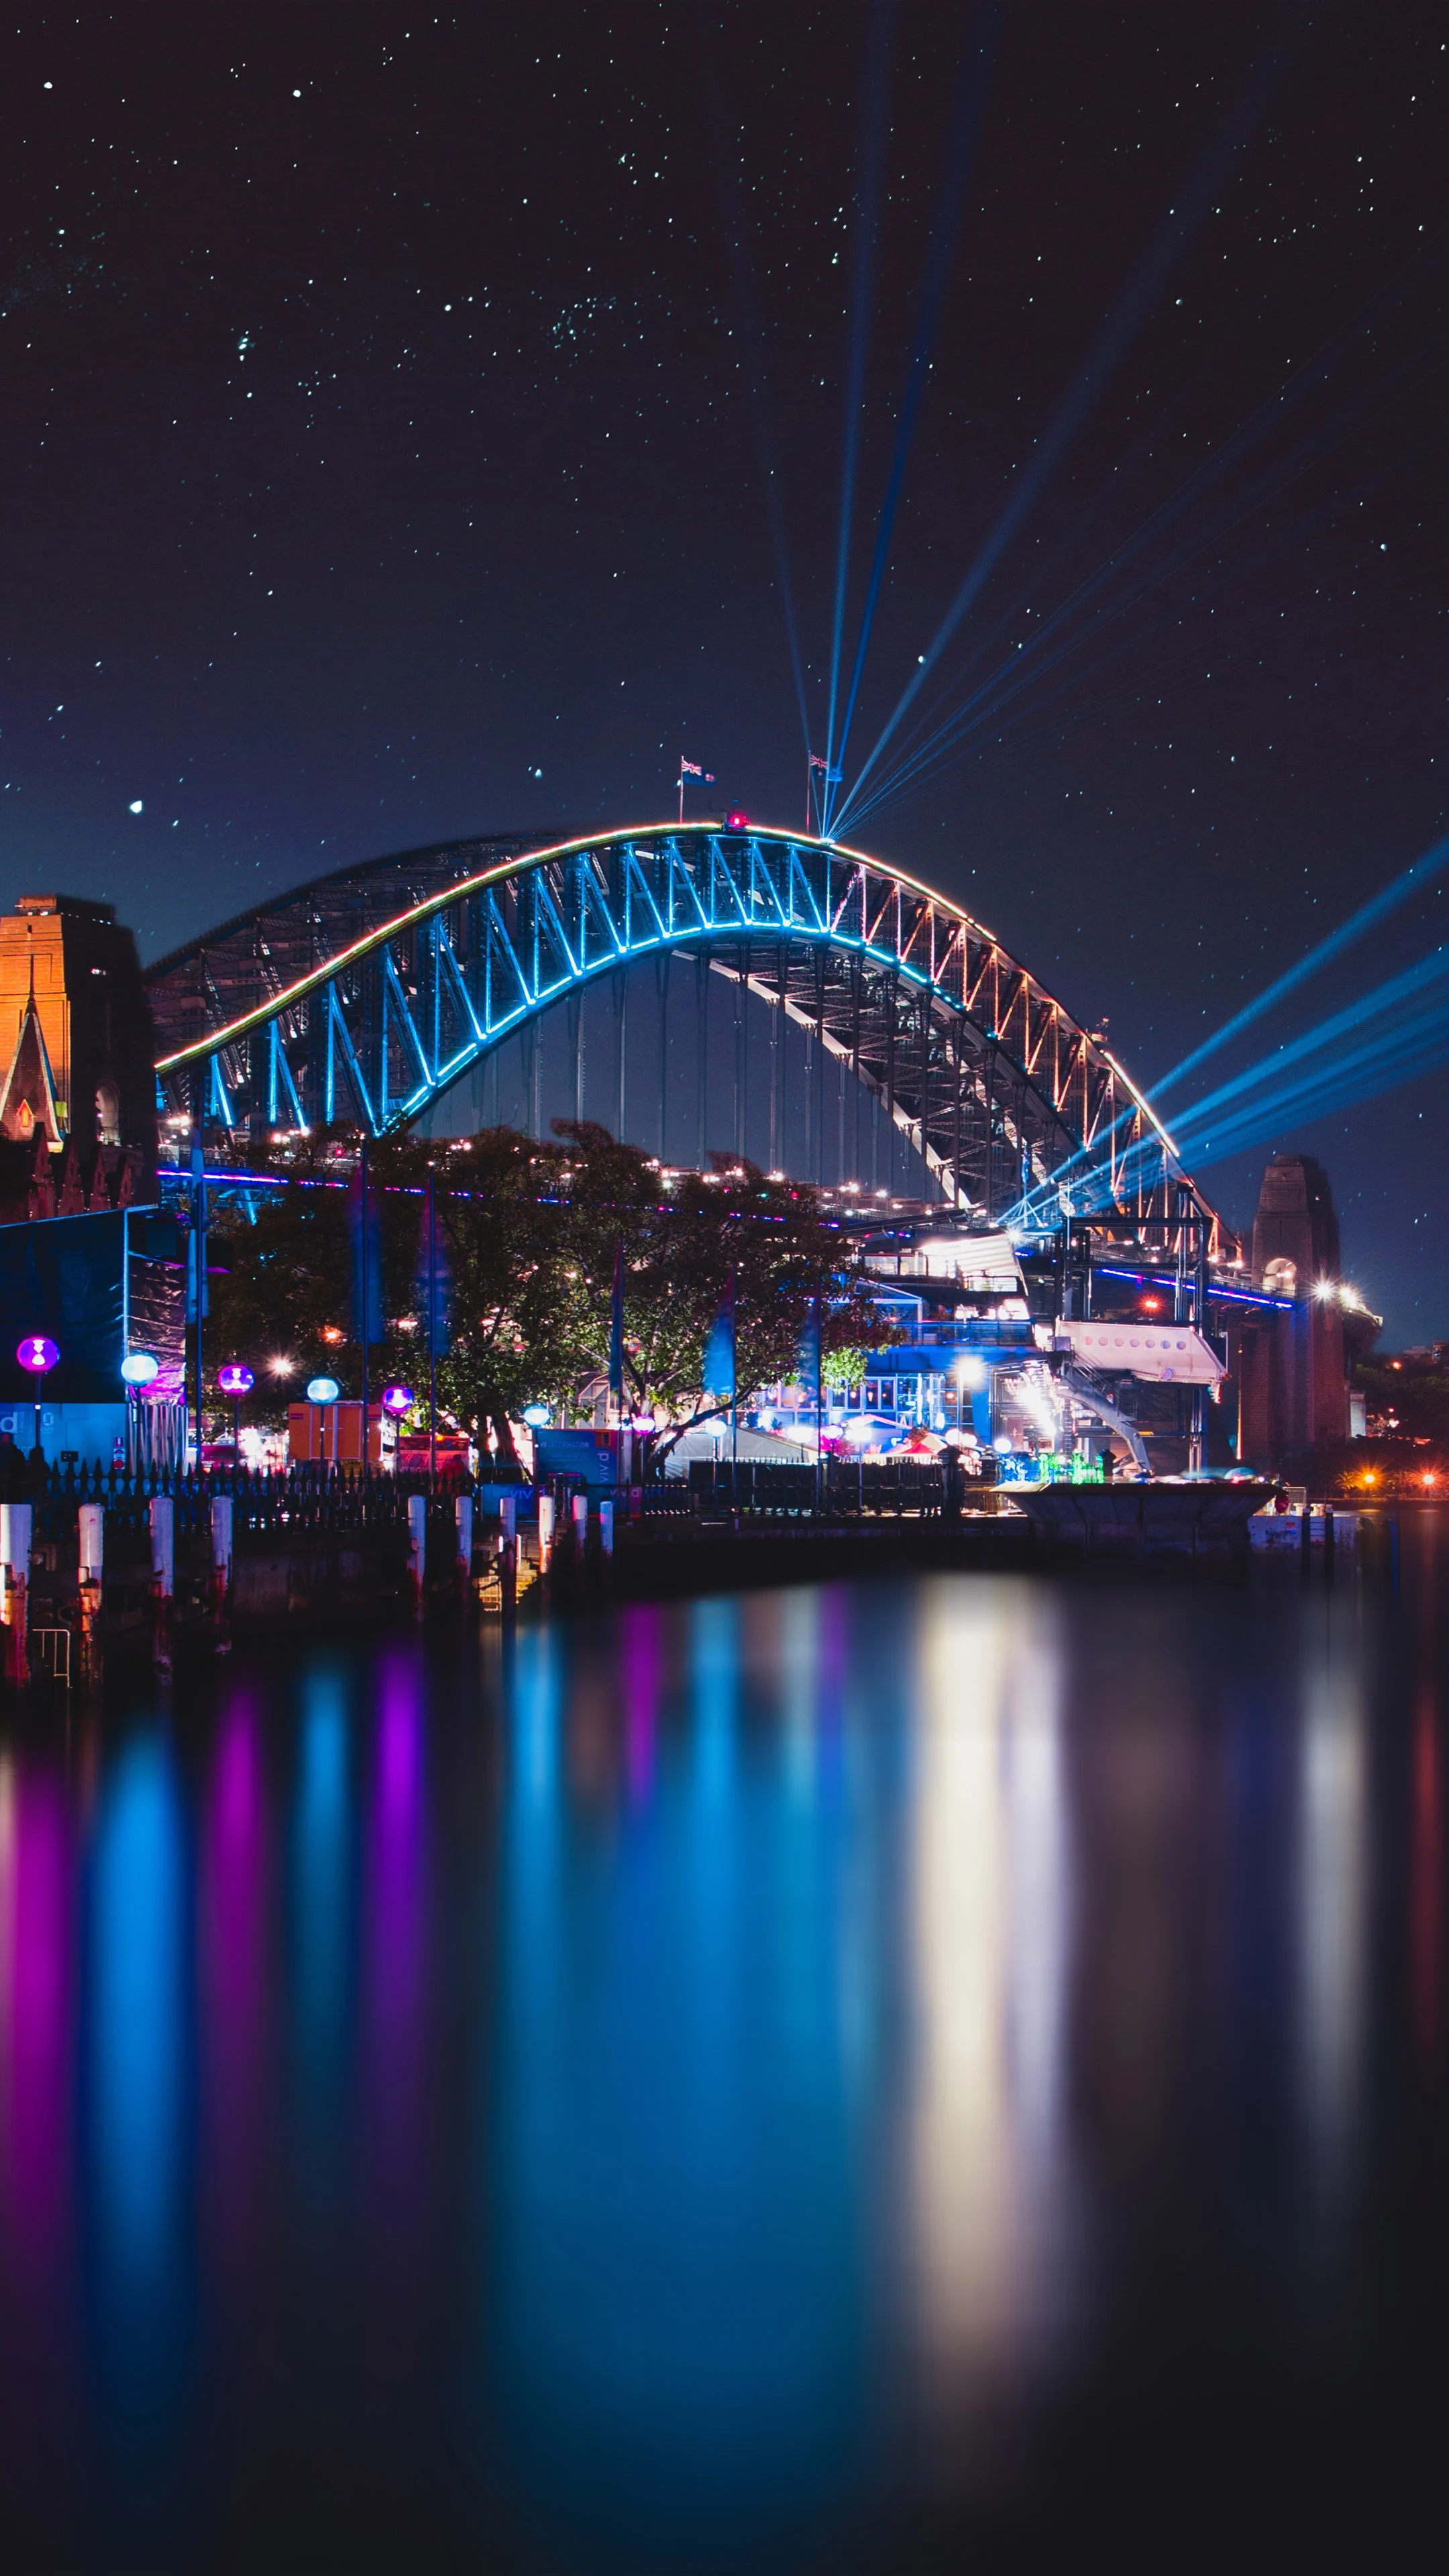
point(435, 1277)
point(364, 1231)
point(719, 1350)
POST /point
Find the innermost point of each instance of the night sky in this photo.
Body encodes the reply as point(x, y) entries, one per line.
point(395, 409)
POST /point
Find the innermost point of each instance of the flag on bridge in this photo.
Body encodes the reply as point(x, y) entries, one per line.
point(692, 769)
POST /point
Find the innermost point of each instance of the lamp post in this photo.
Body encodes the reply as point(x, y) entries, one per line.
point(324, 1391)
point(138, 1369)
point(38, 1355)
point(236, 1380)
point(396, 1401)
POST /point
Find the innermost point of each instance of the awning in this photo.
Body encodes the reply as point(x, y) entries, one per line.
point(1160, 1352)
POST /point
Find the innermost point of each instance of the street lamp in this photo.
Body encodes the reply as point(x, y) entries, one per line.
point(138, 1369)
point(38, 1355)
point(236, 1380)
point(397, 1400)
point(325, 1391)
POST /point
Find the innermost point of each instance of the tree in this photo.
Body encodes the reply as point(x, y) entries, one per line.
point(516, 1297)
point(528, 1236)
point(683, 1244)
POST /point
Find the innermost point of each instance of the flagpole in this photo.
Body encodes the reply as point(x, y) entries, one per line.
point(681, 791)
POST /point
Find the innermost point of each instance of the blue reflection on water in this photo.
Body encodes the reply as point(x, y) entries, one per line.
point(321, 1915)
point(673, 2265)
point(139, 2001)
point(711, 2074)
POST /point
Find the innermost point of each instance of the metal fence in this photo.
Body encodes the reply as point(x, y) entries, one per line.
point(842, 1489)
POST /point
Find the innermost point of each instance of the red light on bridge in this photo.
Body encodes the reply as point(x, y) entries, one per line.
point(737, 820)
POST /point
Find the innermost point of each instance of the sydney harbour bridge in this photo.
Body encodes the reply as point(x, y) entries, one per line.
point(367, 995)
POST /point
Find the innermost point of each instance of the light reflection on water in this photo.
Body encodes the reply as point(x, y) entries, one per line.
point(709, 2082)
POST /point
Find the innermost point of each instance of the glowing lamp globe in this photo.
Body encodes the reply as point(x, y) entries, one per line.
point(37, 1353)
point(537, 1416)
point(322, 1390)
point(235, 1379)
point(397, 1400)
point(138, 1368)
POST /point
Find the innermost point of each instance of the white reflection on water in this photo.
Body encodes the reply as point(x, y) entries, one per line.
point(1333, 1912)
point(991, 1908)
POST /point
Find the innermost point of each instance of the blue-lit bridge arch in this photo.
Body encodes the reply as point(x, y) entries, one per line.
point(367, 994)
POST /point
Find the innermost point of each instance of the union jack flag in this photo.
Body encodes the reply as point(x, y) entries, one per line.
point(692, 769)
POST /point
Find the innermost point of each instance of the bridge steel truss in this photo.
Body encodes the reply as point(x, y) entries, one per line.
point(366, 995)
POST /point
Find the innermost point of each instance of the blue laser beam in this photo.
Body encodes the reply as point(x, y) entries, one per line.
point(1030, 664)
point(973, 83)
point(1023, 665)
point(1422, 984)
point(1109, 346)
point(742, 275)
point(1413, 1042)
point(996, 726)
point(875, 99)
point(1378, 908)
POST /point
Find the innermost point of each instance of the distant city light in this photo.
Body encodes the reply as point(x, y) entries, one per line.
point(280, 1366)
point(135, 806)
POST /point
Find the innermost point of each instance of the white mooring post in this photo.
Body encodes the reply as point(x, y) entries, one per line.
point(545, 1531)
point(417, 1548)
point(463, 1518)
point(92, 1582)
point(606, 1527)
point(581, 1523)
point(508, 1553)
point(163, 1577)
point(15, 1531)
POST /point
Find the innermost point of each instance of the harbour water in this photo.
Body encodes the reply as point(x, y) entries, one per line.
point(922, 2073)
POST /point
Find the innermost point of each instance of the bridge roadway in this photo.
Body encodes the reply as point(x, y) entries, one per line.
point(366, 994)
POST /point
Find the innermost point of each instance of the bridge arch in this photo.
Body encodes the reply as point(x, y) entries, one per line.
point(368, 993)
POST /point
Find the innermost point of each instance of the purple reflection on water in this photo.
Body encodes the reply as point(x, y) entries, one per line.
point(396, 1931)
point(642, 1659)
point(232, 1909)
point(35, 1892)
